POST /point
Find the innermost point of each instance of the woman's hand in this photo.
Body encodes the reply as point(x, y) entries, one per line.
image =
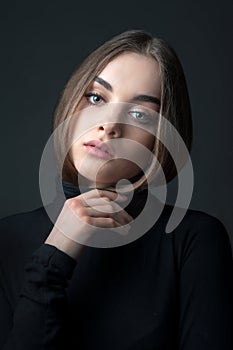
point(81, 217)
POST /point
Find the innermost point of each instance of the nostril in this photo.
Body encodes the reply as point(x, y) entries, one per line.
point(101, 128)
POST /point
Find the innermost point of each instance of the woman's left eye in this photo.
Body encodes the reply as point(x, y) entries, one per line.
point(93, 98)
point(140, 116)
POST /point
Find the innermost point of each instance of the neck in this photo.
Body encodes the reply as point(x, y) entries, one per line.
point(123, 184)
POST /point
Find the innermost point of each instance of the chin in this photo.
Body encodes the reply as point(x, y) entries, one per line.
point(109, 173)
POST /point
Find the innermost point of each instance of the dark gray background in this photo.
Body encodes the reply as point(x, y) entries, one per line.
point(42, 43)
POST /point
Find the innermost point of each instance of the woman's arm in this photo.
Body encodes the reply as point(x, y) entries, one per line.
point(40, 315)
point(38, 320)
point(206, 288)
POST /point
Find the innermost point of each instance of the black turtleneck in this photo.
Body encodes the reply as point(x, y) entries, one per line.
point(161, 291)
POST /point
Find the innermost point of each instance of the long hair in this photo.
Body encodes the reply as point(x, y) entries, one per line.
point(175, 103)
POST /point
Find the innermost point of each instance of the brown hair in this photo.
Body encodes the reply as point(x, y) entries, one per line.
point(175, 104)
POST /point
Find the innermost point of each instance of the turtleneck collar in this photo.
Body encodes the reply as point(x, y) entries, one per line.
point(70, 190)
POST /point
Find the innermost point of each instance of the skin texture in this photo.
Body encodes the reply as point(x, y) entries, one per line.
point(129, 76)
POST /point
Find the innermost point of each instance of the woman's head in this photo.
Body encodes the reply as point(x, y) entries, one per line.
point(133, 63)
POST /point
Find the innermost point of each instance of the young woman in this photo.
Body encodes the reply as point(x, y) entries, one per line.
point(59, 285)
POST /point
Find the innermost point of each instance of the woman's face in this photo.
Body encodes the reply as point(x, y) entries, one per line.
point(128, 86)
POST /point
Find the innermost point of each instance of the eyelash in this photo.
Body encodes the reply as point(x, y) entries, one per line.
point(91, 94)
point(147, 118)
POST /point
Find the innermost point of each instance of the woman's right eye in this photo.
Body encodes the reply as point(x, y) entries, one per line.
point(93, 98)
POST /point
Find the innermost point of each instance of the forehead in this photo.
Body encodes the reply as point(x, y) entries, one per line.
point(133, 71)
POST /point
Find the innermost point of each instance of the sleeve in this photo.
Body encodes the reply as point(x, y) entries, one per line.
point(39, 317)
point(206, 289)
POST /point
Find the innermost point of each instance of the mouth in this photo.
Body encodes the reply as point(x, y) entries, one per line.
point(99, 149)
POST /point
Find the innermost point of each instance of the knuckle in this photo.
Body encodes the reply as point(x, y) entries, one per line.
point(112, 222)
point(87, 220)
point(81, 211)
point(102, 194)
point(70, 203)
point(74, 205)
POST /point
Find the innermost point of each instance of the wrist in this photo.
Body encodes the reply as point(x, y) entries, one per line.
point(63, 243)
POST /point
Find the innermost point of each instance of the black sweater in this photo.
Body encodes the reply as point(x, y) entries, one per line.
point(162, 291)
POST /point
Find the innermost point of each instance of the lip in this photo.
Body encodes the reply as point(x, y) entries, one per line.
point(99, 149)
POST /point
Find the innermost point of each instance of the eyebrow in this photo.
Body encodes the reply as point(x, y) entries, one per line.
point(143, 98)
point(104, 83)
point(146, 98)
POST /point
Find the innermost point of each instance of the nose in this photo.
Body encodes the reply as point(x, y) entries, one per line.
point(110, 130)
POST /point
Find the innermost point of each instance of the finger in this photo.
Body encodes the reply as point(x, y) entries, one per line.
point(108, 195)
point(104, 211)
point(95, 202)
point(113, 196)
point(123, 217)
point(111, 224)
point(109, 208)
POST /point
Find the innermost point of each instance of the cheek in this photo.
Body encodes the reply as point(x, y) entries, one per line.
point(76, 154)
point(145, 139)
point(150, 142)
point(73, 152)
point(140, 136)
